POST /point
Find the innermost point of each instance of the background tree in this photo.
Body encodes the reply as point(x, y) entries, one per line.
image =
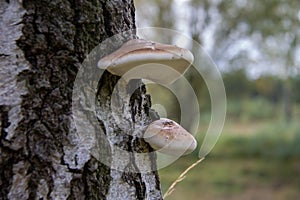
point(262, 36)
point(43, 44)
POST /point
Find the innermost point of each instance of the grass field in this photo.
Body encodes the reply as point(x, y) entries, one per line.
point(252, 160)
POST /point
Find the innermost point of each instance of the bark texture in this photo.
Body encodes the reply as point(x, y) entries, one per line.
point(43, 44)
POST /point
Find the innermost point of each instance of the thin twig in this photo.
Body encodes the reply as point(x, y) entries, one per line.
point(181, 177)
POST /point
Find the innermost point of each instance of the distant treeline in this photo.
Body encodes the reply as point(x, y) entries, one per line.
point(266, 97)
point(270, 87)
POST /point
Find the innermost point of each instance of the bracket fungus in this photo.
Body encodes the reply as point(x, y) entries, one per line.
point(159, 62)
point(168, 137)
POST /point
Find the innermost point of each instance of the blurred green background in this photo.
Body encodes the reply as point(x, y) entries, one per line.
point(255, 45)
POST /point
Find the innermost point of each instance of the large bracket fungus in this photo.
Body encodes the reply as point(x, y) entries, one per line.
point(158, 62)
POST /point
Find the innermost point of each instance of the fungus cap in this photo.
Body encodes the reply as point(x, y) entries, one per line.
point(138, 52)
point(168, 137)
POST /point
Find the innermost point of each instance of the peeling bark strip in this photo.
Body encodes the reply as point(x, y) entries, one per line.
point(43, 44)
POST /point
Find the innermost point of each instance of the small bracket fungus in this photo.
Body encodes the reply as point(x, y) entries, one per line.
point(168, 137)
point(159, 62)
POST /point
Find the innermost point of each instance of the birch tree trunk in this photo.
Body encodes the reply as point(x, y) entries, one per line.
point(43, 44)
